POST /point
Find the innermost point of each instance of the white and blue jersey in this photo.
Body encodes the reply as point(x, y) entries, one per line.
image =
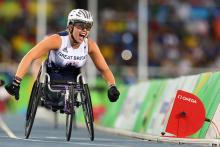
point(65, 63)
point(66, 55)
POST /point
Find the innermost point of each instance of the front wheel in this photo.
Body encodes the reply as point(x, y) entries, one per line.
point(71, 113)
point(69, 122)
point(87, 110)
point(32, 108)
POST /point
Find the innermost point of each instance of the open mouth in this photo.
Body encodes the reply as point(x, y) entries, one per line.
point(83, 35)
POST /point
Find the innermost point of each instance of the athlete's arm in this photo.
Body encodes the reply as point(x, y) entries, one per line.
point(42, 48)
point(100, 62)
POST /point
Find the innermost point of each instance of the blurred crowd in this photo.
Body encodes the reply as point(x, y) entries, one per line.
point(18, 26)
point(182, 34)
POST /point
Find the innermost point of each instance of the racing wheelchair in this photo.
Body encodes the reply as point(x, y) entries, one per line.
point(68, 90)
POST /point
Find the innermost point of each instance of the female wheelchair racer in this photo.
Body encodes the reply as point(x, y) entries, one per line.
point(67, 49)
point(65, 95)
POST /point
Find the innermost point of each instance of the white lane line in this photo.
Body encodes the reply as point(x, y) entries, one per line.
point(6, 129)
point(77, 143)
point(96, 139)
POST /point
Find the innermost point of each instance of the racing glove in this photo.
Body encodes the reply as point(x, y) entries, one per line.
point(14, 87)
point(113, 93)
point(2, 82)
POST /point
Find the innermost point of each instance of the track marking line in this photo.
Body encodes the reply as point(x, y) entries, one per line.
point(6, 129)
point(66, 142)
point(96, 139)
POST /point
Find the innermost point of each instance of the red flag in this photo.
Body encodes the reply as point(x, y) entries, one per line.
point(187, 115)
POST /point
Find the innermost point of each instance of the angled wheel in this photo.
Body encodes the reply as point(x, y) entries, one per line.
point(69, 123)
point(87, 110)
point(32, 108)
point(70, 116)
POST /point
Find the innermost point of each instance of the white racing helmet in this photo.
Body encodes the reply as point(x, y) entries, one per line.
point(79, 15)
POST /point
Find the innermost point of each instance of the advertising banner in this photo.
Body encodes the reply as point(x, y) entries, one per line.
point(131, 107)
point(155, 89)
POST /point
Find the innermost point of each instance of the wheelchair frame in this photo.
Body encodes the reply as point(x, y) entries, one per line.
point(70, 102)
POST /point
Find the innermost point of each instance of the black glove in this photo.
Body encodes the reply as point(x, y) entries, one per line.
point(113, 93)
point(14, 87)
point(2, 82)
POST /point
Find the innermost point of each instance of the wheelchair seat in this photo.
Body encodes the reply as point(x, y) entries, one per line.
point(56, 82)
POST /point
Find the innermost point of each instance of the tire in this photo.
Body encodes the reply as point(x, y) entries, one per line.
point(69, 123)
point(33, 92)
point(70, 117)
point(32, 108)
point(87, 110)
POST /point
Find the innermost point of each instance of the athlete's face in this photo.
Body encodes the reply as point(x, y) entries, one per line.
point(80, 31)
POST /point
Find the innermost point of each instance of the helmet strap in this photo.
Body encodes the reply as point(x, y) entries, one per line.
point(71, 34)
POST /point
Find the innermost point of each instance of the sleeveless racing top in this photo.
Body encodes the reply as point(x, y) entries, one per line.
point(66, 55)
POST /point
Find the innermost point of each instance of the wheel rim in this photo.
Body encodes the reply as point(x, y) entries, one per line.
point(31, 112)
point(69, 123)
point(69, 117)
point(87, 110)
point(88, 120)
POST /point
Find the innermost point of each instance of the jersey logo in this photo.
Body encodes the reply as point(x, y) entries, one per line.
point(84, 49)
point(65, 50)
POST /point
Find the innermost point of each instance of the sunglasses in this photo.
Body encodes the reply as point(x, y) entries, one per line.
point(83, 25)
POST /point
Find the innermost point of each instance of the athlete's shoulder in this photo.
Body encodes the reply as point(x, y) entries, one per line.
point(93, 47)
point(91, 42)
point(52, 41)
point(53, 37)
